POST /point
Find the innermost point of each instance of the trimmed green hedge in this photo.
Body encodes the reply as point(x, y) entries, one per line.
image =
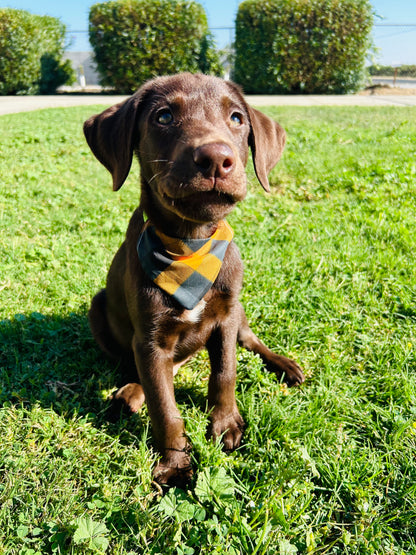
point(302, 46)
point(401, 71)
point(31, 50)
point(135, 40)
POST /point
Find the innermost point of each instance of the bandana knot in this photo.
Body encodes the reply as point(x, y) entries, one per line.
point(184, 268)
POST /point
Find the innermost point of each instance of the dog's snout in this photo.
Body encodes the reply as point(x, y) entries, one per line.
point(214, 159)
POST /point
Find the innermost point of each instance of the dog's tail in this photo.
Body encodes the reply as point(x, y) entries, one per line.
point(100, 328)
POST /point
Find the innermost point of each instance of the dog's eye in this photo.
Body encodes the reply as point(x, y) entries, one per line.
point(165, 117)
point(236, 119)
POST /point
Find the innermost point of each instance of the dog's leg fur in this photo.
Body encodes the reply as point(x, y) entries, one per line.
point(156, 375)
point(100, 327)
point(226, 421)
point(129, 398)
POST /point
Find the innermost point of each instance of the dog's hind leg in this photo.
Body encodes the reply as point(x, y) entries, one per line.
point(280, 365)
point(129, 398)
point(100, 327)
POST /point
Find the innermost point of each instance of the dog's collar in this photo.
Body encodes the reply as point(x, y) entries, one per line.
point(183, 268)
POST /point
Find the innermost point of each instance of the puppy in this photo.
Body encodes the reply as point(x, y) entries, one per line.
point(173, 285)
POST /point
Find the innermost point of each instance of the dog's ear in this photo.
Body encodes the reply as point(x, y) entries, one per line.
point(112, 135)
point(267, 140)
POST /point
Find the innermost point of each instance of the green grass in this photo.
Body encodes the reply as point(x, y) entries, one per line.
point(330, 280)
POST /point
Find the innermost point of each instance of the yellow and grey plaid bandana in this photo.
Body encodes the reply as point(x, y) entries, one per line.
point(184, 268)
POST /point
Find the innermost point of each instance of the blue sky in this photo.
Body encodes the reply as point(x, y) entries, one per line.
point(397, 45)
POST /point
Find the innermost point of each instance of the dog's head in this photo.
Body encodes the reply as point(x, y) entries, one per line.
point(191, 134)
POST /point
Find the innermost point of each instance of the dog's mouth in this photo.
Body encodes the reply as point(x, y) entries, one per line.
point(212, 197)
point(204, 192)
point(202, 206)
point(199, 199)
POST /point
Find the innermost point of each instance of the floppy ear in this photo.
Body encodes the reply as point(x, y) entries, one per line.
point(267, 140)
point(111, 136)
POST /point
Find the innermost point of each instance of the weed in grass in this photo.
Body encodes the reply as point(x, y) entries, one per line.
point(329, 280)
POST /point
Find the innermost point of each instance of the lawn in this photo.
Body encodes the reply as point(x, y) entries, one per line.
point(330, 272)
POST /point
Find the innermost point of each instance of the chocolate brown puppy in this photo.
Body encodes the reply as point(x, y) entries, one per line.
point(173, 285)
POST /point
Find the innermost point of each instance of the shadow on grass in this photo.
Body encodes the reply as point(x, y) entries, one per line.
point(54, 362)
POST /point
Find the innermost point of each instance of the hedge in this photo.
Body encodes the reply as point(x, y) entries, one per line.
point(400, 71)
point(135, 40)
point(302, 46)
point(31, 50)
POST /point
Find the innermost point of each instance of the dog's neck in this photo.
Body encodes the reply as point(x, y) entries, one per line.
point(172, 225)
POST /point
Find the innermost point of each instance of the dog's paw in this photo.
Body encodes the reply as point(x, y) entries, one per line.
point(285, 368)
point(127, 400)
point(174, 470)
point(228, 427)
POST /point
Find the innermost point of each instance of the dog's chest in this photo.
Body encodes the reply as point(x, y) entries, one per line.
point(195, 315)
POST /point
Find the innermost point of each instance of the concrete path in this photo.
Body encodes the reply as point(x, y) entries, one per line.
point(13, 104)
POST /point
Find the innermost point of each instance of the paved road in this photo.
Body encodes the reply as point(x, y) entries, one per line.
point(13, 104)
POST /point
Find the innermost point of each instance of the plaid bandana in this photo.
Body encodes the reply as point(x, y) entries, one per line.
point(184, 268)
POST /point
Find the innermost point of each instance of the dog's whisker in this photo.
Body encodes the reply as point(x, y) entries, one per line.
point(155, 176)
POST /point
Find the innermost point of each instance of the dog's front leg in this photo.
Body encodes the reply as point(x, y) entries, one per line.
point(226, 421)
point(155, 368)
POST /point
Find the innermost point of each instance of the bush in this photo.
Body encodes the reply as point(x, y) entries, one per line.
point(135, 40)
point(302, 46)
point(385, 71)
point(31, 50)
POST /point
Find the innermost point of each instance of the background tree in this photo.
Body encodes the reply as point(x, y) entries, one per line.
point(302, 46)
point(31, 52)
point(135, 40)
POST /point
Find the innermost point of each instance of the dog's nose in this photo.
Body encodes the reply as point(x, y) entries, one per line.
point(214, 159)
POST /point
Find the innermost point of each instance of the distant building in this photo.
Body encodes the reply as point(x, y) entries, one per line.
point(84, 67)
